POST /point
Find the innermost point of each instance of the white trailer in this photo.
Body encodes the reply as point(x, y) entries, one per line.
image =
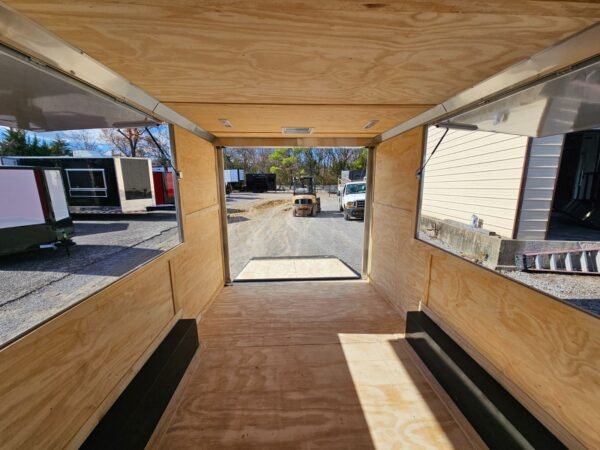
point(33, 209)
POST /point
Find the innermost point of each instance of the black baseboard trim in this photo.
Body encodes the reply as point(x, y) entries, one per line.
point(130, 422)
point(501, 421)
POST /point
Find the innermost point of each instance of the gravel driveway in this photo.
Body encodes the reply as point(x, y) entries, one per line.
point(35, 286)
point(263, 225)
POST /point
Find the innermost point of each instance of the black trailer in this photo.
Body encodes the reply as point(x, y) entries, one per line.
point(100, 185)
point(33, 209)
point(261, 182)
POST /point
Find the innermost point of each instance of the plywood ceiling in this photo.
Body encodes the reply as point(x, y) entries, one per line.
point(236, 59)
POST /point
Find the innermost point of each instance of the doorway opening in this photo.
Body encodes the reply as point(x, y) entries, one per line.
point(295, 213)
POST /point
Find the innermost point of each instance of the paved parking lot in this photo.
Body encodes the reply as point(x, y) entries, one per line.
point(263, 225)
point(37, 285)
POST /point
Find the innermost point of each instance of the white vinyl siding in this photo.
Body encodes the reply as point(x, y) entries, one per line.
point(474, 173)
point(542, 170)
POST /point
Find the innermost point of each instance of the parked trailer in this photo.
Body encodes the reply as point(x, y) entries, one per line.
point(33, 209)
point(100, 185)
point(261, 182)
point(234, 178)
point(164, 187)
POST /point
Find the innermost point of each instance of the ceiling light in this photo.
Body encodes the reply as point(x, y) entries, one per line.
point(370, 124)
point(296, 130)
point(226, 123)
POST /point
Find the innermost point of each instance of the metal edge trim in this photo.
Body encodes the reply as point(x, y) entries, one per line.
point(26, 36)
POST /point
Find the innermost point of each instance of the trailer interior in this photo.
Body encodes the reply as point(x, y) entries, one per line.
point(426, 350)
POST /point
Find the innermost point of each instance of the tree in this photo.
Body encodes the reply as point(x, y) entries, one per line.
point(286, 164)
point(360, 163)
point(84, 140)
point(138, 142)
point(19, 143)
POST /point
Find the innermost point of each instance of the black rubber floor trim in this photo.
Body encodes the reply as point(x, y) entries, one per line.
point(501, 421)
point(131, 420)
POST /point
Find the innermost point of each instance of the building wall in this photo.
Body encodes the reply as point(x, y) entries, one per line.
point(474, 172)
point(58, 381)
point(540, 181)
point(543, 351)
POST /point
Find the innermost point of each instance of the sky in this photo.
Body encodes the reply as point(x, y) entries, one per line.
point(49, 136)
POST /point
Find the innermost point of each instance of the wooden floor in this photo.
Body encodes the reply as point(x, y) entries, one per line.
point(318, 365)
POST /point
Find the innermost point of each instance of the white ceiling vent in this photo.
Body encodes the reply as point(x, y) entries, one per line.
point(296, 130)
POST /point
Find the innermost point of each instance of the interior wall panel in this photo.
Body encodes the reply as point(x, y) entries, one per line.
point(395, 200)
point(55, 380)
point(198, 269)
point(545, 352)
point(196, 160)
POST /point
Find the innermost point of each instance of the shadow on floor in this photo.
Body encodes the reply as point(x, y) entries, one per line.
point(304, 365)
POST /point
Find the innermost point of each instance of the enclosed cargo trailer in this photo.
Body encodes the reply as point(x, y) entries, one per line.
point(100, 185)
point(164, 188)
point(261, 182)
point(33, 209)
point(539, 349)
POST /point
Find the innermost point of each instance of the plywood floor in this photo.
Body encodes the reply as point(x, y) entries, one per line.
point(318, 365)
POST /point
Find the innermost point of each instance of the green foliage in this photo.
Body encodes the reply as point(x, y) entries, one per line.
point(325, 164)
point(360, 163)
point(19, 143)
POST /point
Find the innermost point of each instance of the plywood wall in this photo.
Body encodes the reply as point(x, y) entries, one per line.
point(545, 352)
point(198, 269)
point(57, 381)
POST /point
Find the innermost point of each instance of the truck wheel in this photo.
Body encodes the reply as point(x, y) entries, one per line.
point(346, 216)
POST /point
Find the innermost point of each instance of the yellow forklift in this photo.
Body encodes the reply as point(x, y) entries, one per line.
point(304, 197)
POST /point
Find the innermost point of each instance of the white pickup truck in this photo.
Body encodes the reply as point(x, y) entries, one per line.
point(352, 200)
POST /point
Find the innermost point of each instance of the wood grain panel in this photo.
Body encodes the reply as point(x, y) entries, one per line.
point(310, 52)
point(355, 387)
point(396, 165)
point(397, 263)
point(196, 160)
point(545, 352)
point(267, 120)
point(543, 346)
point(198, 269)
point(56, 377)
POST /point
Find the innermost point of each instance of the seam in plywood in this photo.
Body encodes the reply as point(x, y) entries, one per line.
point(410, 210)
point(209, 303)
point(397, 308)
point(206, 208)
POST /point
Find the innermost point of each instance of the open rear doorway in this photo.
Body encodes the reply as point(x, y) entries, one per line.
point(295, 213)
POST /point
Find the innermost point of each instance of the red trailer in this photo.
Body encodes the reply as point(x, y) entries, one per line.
point(164, 188)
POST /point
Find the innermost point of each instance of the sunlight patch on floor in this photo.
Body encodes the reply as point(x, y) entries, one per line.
point(397, 402)
point(296, 268)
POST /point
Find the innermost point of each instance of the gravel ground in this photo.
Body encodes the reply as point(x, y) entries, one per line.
point(582, 291)
point(35, 286)
point(263, 225)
